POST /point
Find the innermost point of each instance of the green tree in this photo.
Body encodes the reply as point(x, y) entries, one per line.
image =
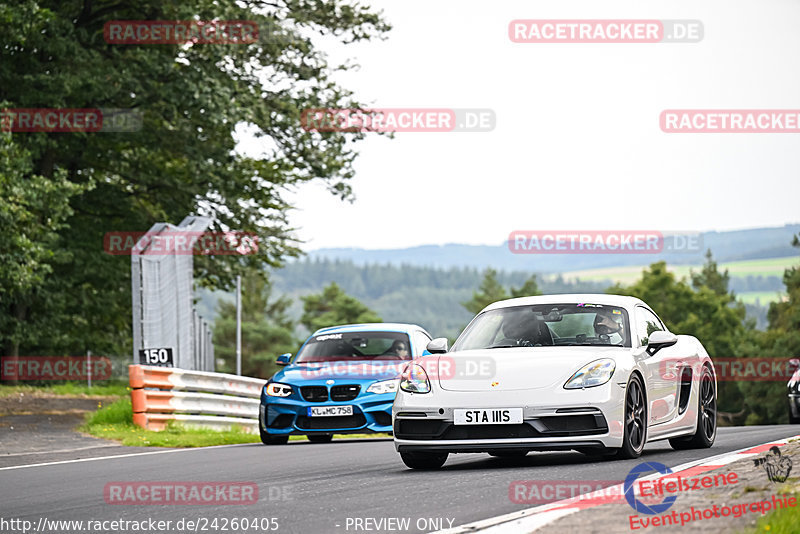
point(713, 318)
point(334, 307)
point(710, 277)
point(33, 209)
point(784, 316)
point(267, 329)
point(708, 313)
point(182, 161)
point(489, 291)
point(767, 400)
point(529, 289)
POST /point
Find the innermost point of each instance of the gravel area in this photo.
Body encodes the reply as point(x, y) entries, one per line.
point(752, 485)
point(38, 427)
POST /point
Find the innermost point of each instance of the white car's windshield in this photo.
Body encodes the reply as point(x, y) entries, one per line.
point(545, 325)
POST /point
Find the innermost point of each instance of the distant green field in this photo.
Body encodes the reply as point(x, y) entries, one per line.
point(763, 297)
point(762, 267)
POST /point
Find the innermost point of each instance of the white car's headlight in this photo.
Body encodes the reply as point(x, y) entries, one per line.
point(415, 380)
point(276, 389)
point(593, 374)
point(384, 386)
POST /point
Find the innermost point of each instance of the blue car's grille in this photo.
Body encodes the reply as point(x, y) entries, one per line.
point(344, 393)
point(314, 393)
point(337, 394)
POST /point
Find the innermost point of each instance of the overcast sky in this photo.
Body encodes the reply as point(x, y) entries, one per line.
point(577, 143)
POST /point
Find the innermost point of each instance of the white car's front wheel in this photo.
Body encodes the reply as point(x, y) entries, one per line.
point(635, 420)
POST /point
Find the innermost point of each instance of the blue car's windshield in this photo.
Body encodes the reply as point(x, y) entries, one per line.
point(546, 325)
point(356, 346)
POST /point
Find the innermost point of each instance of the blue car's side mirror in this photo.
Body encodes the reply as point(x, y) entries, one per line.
point(284, 359)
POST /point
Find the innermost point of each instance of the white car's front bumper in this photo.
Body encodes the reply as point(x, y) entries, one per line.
point(552, 420)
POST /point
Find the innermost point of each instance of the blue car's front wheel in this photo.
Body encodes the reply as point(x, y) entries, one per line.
point(272, 439)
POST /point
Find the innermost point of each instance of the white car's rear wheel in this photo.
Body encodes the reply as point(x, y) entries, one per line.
point(706, 432)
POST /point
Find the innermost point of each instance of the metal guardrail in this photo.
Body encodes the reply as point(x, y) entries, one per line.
point(195, 398)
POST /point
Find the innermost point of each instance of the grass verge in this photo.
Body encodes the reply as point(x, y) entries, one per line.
point(69, 389)
point(115, 422)
point(781, 521)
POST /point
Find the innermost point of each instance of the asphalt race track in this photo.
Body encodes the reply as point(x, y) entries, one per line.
point(325, 488)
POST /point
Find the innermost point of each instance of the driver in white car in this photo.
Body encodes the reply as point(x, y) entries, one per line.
point(606, 323)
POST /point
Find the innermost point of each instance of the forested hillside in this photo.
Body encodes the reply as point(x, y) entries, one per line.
point(754, 243)
point(430, 297)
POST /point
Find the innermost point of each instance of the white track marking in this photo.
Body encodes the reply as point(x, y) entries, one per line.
point(122, 456)
point(57, 451)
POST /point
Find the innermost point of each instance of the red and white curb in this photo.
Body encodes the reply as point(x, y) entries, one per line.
point(534, 518)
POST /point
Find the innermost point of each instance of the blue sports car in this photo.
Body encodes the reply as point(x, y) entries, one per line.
point(343, 380)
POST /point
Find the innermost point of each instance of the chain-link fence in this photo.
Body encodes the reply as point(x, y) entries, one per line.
point(164, 318)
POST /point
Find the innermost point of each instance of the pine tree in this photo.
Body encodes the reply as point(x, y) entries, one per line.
point(490, 291)
point(334, 307)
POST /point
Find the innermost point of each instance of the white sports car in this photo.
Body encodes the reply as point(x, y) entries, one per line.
point(599, 374)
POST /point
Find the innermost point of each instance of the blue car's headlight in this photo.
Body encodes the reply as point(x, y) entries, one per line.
point(593, 374)
point(384, 386)
point(276, 389)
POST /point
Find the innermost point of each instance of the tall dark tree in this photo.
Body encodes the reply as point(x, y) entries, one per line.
point(183, 159)
point(33, 209)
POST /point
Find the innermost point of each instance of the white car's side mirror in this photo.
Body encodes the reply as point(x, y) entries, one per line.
point(437, 346)
point(660, 339)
